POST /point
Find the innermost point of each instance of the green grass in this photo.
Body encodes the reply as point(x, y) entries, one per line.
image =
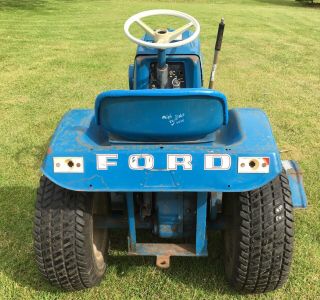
point(58, 55)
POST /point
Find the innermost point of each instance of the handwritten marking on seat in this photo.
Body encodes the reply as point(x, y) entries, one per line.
point(174, 119)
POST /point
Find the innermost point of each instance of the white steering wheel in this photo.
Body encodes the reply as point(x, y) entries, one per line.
point(163, 39)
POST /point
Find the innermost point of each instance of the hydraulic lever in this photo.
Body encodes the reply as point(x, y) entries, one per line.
point(217, 49)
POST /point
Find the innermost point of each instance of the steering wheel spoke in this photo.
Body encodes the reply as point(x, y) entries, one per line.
point(145, 27)
point(174, 34)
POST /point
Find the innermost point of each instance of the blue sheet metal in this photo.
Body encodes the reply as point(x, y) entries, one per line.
point(298, 195)
point(247, 133)
point(169, 212)
point(192, 64)
point(188, 54)
point(201, 227)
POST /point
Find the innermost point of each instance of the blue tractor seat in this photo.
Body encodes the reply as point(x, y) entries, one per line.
point(166, 115)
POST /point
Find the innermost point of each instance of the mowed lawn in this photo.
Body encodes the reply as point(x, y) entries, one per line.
point(58, 55)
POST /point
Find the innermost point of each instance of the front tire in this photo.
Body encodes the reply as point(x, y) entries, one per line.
point(69, 251)
point(258, 238)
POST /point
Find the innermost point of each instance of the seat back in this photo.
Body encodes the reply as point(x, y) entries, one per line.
point(161, 115)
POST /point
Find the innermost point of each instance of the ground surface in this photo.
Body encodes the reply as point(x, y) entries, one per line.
point(57, 55)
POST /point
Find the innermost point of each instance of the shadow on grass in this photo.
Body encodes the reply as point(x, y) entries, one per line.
point(205, 273)
point(291, 3)
point(17, 260)
point(22, 4)
point(37, 152)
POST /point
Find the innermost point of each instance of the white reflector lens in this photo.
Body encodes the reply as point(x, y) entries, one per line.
point(253, 164)
point(68, 165)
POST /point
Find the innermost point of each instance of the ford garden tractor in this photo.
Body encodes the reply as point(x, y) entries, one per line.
point(168, 157)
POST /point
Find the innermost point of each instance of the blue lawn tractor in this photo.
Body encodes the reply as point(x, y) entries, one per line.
point(166, 156)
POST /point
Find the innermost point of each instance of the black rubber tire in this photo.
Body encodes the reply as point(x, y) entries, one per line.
point(65, 241)
point(258, 238)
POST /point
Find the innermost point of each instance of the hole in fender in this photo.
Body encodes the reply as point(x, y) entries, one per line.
point(70, 163)
point(254, 164)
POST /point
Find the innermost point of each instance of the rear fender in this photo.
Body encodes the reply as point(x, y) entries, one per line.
point(106, 166)
point(298, 195)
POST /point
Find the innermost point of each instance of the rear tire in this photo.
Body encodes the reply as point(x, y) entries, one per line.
point(258, 238)
point(69, 252)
